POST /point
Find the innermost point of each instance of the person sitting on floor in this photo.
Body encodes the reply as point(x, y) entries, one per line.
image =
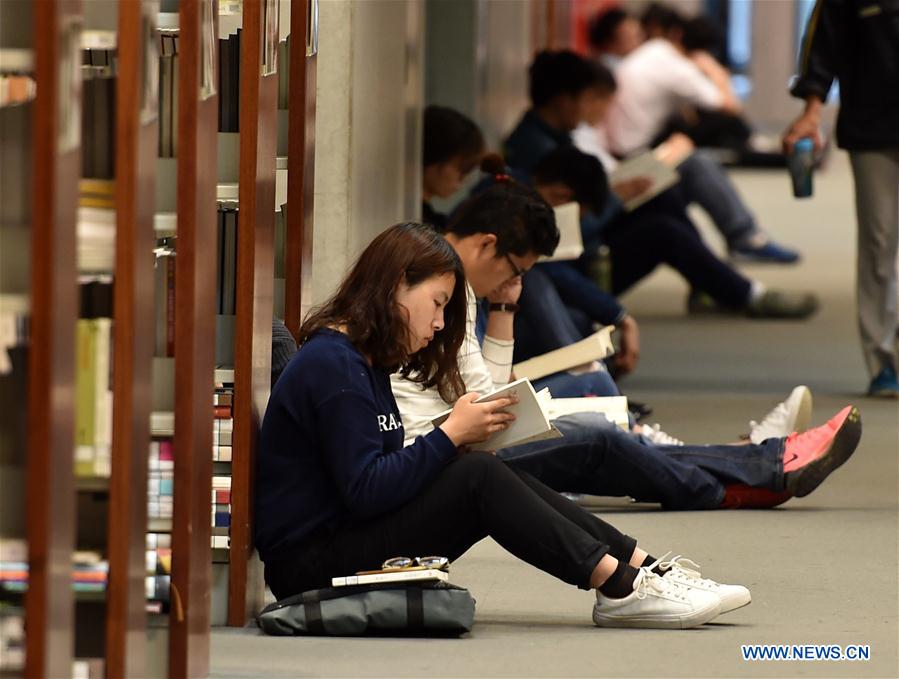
point(499, 235)
point(563, 85)
point(338, 491)
point(452, 147)
point(636, 246)
point(560, 83)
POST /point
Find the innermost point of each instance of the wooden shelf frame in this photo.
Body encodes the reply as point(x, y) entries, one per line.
point(195, 276)
point(255, 289)
point(50, 485)
point(300, 163)
point(133, 312)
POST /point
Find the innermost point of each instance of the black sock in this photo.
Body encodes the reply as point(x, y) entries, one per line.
point(621, 582)
point(649, 561)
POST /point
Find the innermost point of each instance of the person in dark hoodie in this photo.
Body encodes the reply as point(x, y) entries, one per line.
point(858, 44)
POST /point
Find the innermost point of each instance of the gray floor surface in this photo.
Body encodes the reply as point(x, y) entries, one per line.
point(822, 570)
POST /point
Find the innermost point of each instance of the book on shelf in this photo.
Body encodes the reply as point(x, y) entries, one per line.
point(229, 82)
point(161, 479)
point(93, 384)
point(164, 296)
point(12, 639)
point(96, 228)
point(414, 574)
point(96, 193)
point(284, 74)
point(531, 421)
point(592, 348)
point(162, 423)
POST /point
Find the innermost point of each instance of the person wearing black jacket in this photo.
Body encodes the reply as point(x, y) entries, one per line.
point(857, 42)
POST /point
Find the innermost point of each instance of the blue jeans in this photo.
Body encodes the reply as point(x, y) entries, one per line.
point(597, 458)
point(580, 292)
point(704, 181)
point(566, 385)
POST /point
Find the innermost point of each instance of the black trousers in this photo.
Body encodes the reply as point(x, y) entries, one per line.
point(476, 496)
point(656, 234)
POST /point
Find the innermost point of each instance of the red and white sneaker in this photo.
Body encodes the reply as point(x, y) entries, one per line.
point(810, 457)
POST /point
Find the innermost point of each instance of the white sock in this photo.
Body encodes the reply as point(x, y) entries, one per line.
point(756, 291)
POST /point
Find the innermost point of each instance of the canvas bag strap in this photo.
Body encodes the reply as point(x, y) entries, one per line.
point(312, 609)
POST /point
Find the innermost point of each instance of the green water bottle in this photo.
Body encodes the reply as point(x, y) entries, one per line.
point(601, 268)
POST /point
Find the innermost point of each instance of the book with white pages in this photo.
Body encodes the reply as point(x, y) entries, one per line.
point(531, 420)
point(595, 347)
point(392, 575)
point(648, 165)
point(614, 408)
point(571, 243)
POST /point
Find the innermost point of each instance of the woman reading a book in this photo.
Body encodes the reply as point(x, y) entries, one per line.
point(337, 491)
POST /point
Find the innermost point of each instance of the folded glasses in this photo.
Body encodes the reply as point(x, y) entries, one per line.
point(439, 562)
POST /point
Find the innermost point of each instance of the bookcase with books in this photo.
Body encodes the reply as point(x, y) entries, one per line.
point(115, 480)
point(17, 108)
point(39, 81)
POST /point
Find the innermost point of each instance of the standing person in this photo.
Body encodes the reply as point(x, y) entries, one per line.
point(337, 491)
point(859, 45)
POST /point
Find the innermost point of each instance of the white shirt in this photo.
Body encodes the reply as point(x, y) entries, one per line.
point(653, 81)
point(589, 140)
point(483, 370)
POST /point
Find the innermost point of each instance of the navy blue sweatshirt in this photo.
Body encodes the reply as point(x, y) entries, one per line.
point(331, 447)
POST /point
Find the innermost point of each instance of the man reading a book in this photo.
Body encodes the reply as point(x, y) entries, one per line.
point(498, 238)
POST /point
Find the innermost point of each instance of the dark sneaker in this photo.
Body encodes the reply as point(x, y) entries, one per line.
point(763, 251)
point(885, 384)
point(702, 304)
point(810, 457)
point(780, 304)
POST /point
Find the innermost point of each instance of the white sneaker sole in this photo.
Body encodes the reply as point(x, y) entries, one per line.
point(804, 412)
point(693, 619)
point(733, 603)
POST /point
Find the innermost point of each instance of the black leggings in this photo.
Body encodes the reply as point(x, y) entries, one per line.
point(476, 496)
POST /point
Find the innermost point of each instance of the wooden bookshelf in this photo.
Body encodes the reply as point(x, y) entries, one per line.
point(300, 161)
point(136, 142)
point(195, 273)
point(255, 283)
point(50, 478)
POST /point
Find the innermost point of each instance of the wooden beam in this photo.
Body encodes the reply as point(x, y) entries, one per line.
point(195, 280)
point(255, 282)
point(133, 307)
point(50, 484)
point(300, 164)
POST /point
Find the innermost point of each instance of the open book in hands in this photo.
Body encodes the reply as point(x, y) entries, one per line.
point(531, 420)
point(593, 348)
point(571, 243)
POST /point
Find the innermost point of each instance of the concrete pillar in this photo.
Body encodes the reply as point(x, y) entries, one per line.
point(368, 141)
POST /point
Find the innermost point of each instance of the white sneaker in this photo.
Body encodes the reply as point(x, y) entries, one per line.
point(790, 416)
point(657, 603)
point(655, 434)
point(686, 573)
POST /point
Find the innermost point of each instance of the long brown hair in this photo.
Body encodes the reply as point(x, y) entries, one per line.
point(377, 326)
